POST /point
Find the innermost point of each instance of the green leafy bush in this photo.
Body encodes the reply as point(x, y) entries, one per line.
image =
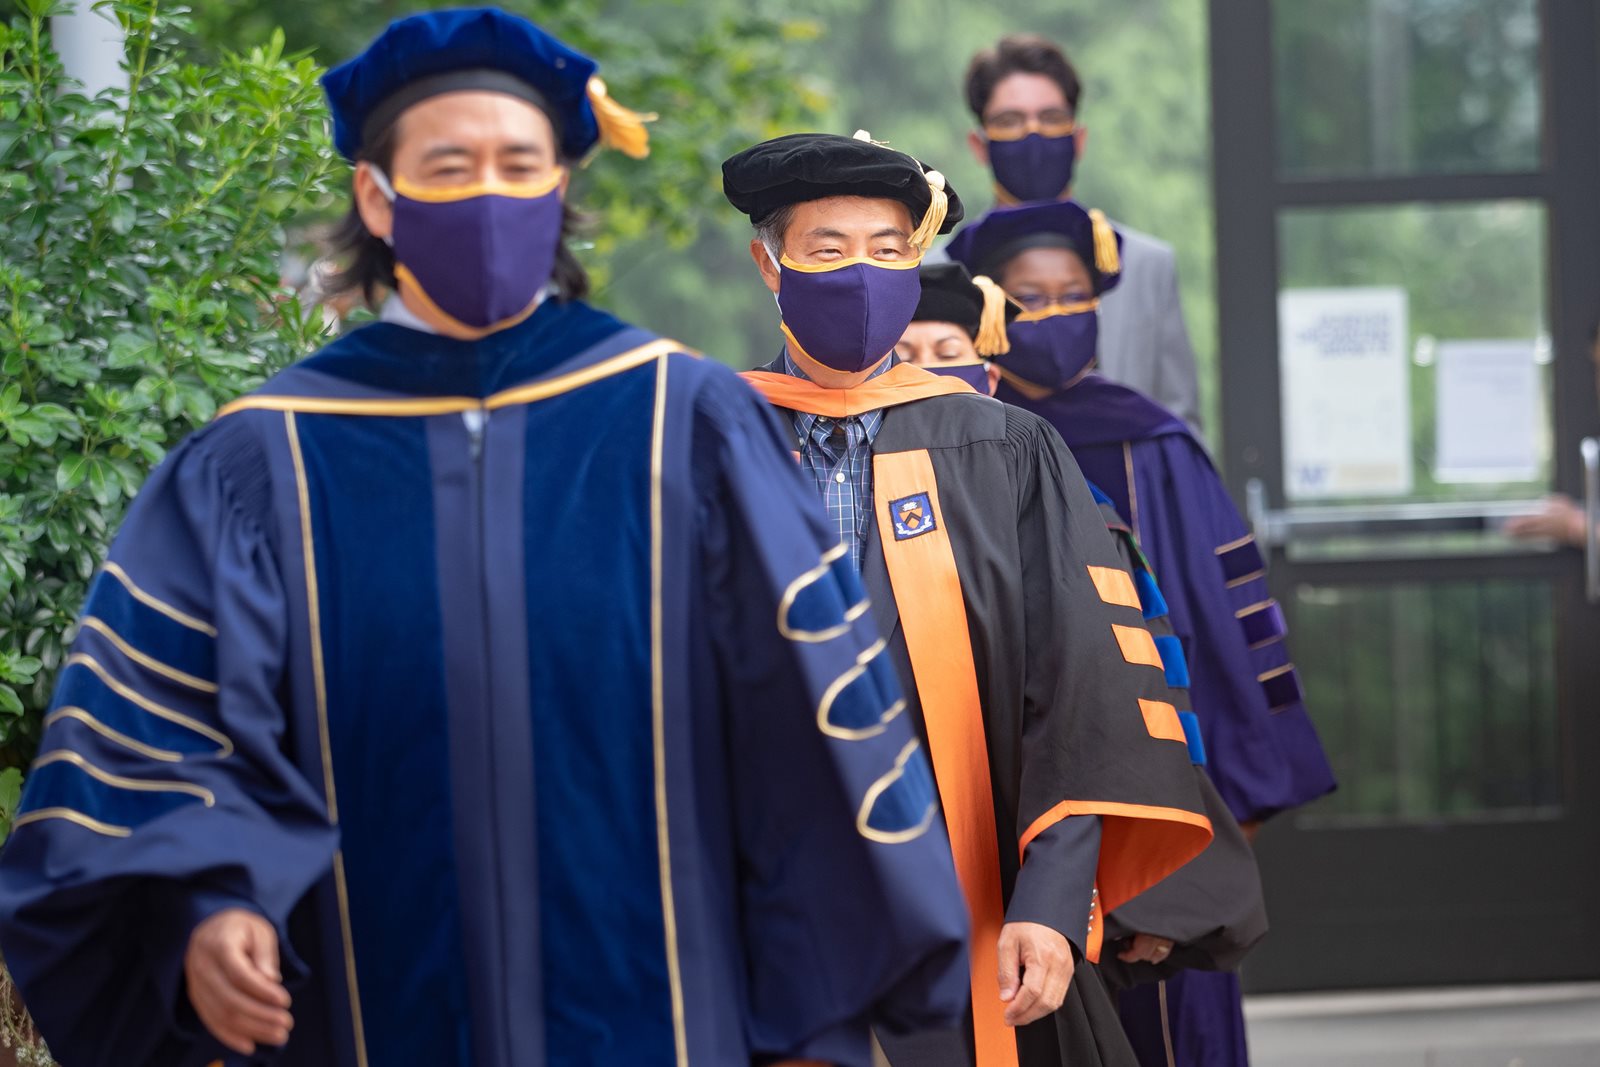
point(140, 235)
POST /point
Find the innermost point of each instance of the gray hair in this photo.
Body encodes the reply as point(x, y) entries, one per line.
point(770, 230)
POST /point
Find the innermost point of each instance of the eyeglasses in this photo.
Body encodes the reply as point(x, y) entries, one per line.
point(1040, 301)
point(1014, 125)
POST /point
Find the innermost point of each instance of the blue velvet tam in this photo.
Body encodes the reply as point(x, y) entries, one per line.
point(1004, 233)
point(480, 48)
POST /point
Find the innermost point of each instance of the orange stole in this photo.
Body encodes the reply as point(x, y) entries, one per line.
point(927, 588)
point(900, 384)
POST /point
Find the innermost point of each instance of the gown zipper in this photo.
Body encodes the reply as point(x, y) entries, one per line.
point(477, 423)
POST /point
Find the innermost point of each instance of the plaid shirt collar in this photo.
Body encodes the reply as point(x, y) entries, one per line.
point(804, 421)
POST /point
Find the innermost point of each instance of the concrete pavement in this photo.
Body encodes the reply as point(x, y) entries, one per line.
point(1503, 1026)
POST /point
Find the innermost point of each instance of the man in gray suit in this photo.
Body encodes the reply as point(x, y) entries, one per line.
point(1024, 94)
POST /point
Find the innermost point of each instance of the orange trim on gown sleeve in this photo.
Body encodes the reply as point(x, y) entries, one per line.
point(1140, 844)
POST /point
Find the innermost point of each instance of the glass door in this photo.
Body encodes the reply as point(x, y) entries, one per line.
point(1409, 280)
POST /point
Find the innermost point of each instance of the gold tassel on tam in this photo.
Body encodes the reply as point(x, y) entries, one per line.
point(933, 221)
point(620, 128)
point(938, 205)
point(1107, 260)
point(991, 339)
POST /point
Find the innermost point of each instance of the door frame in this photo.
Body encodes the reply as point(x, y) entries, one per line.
point(1248, 196)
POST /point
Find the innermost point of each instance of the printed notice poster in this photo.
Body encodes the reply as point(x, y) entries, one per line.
point(1490, 425)
point(1346, 392)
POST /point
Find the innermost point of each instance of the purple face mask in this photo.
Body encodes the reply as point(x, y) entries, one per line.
point(1053, 347)
point(482, 254)
point(848, 316)
point(1034, 167)
point(974, 374)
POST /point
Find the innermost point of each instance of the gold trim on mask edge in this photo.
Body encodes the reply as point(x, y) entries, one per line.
point(1050, 311)
point(825, 268)
point(403, 275)
point(449, 194)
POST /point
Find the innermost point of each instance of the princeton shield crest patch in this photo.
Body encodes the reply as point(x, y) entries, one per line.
point(911, 516)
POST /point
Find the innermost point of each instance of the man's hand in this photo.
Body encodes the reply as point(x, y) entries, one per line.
point(234, 983)
point(1560, 520)
point(1146, 948)
point(1035, 971)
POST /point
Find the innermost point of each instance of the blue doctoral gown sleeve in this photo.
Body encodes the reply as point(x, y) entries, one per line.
point(159, 794)
point(1263, 752)
point(851, 912)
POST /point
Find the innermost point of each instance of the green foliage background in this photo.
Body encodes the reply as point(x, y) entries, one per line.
point(139, 254)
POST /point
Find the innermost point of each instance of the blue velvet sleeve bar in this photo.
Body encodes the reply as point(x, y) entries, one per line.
point(160, 794)
point(1263, 753)
point(851, 913)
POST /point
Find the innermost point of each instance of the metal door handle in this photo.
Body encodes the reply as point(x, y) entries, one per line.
point(1589, 448)
point(1318, 522)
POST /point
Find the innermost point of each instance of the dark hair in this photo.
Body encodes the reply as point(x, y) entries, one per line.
point(368, 262)
point(1019, 53)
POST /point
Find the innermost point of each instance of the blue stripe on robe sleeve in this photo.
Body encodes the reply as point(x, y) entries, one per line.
point(1262, 758)
point(848, 891)
point(162, 795)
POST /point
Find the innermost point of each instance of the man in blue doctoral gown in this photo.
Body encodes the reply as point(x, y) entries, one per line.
point(466, 679)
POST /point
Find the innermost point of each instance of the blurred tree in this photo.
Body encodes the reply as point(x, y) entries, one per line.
point(139, 243)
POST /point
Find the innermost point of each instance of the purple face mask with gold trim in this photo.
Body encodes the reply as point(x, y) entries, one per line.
point(1053, 347)
point(847, 315)
point(480, 255)
point(974, 374)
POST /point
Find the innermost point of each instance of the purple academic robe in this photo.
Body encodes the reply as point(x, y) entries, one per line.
point(1262, 750)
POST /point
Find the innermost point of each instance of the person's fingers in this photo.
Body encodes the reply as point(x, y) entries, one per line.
point(204, 982)
point(1010, 963)
point(1025, 1007)
point(1146, 948)
point(245, 976)
point(252, 1019)
point(262, 948)
point(1135, 952)
point(1056, 981)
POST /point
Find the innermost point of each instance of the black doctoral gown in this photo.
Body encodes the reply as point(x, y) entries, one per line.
point(985, 530)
